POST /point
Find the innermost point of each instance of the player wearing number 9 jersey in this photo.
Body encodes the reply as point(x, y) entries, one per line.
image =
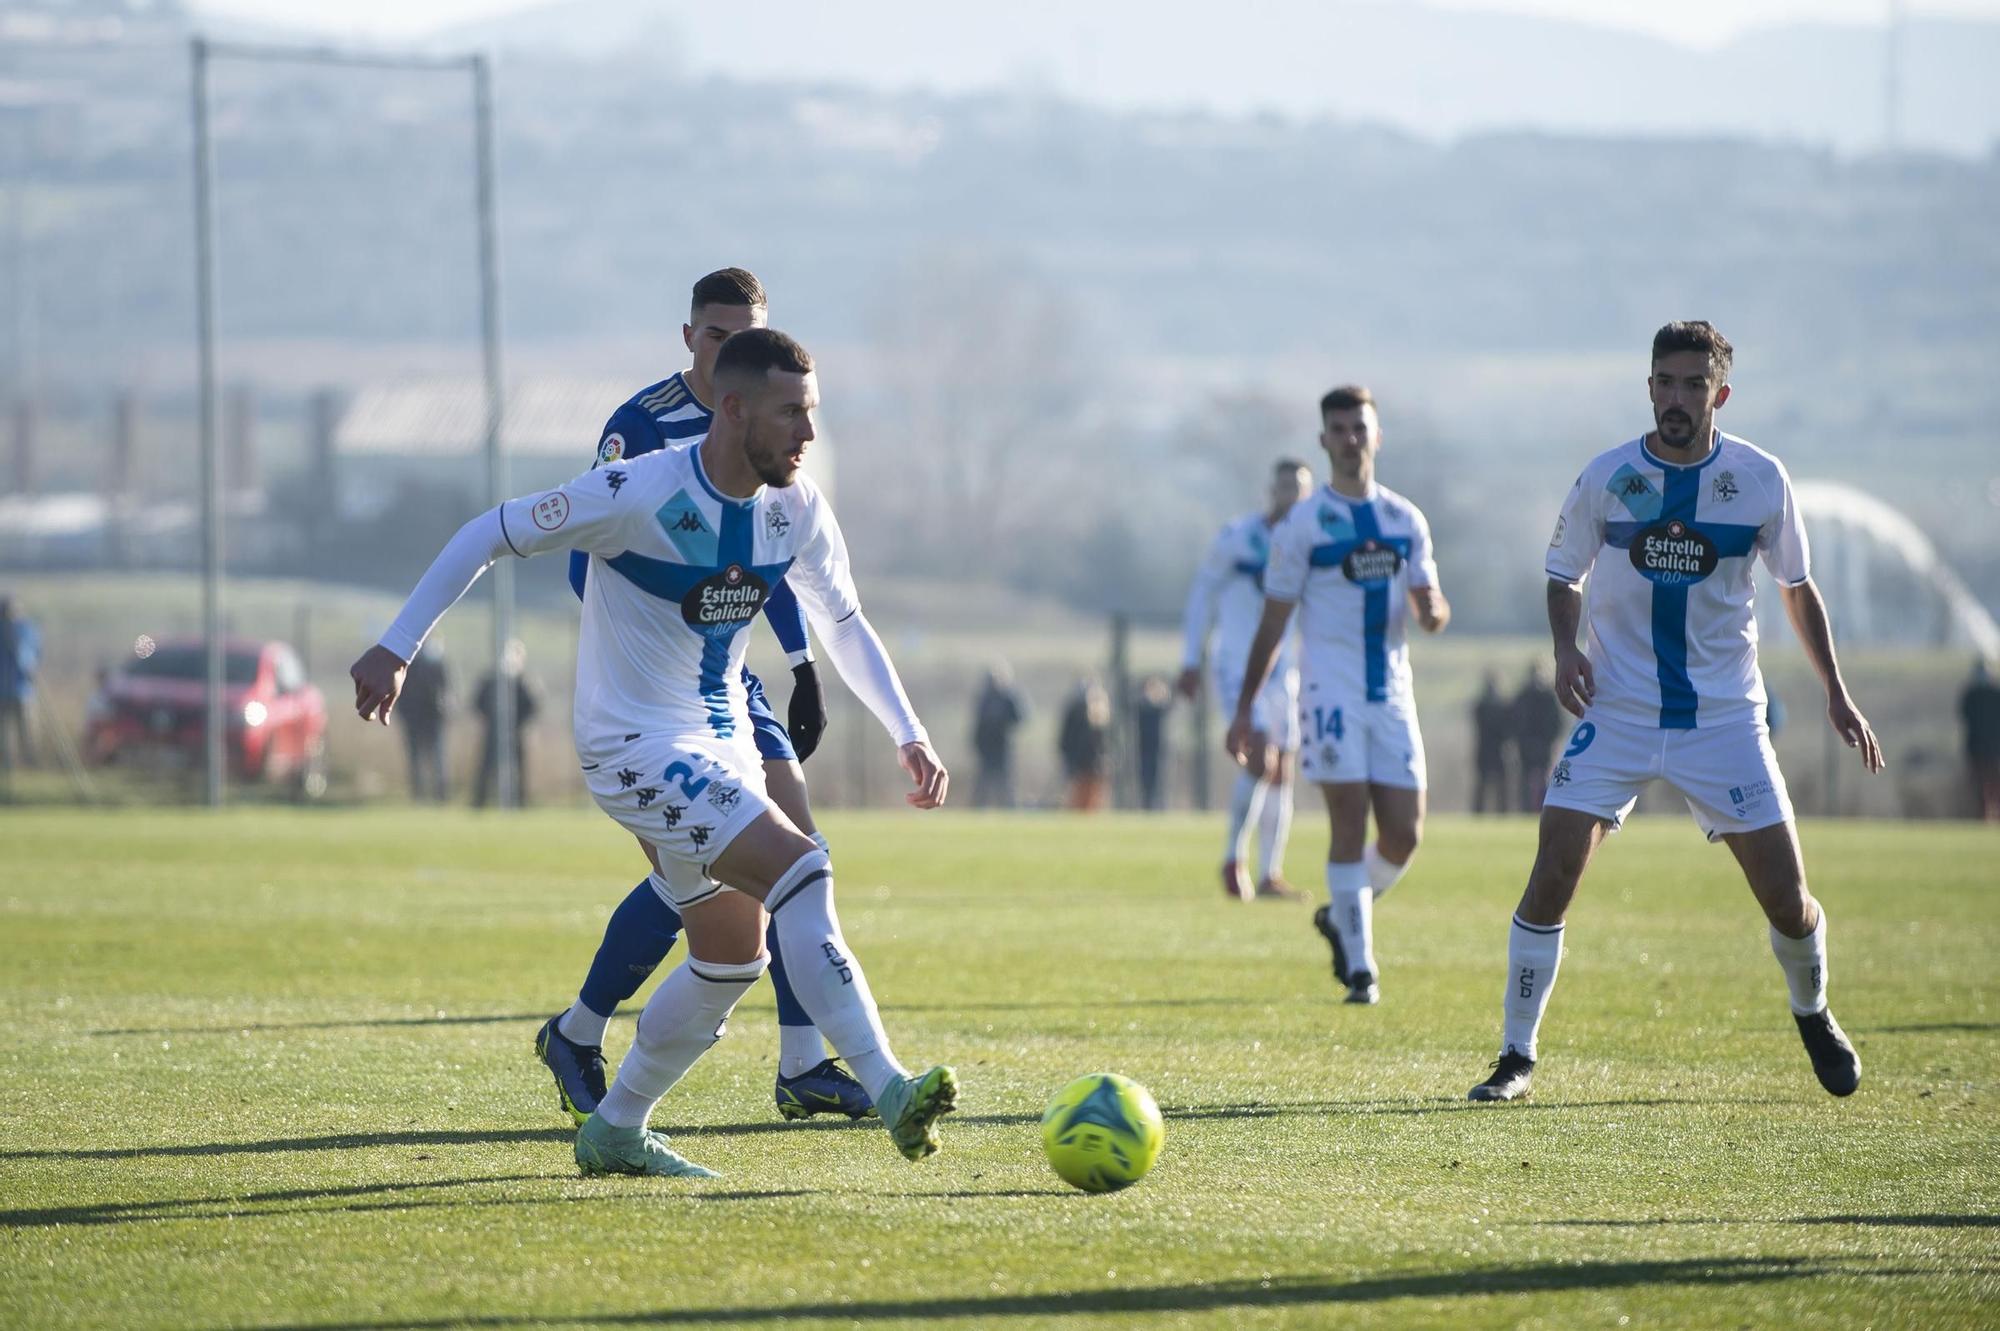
point(1355, 560)
point(1667, 528)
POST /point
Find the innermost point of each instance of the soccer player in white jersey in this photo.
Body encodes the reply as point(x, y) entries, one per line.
point(1225, 600)
point(1355, 559)
point(1667, 528)
point(685, 544)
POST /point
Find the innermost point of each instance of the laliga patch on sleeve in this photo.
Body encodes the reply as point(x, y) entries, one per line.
point(551, 510)
point(612, 449)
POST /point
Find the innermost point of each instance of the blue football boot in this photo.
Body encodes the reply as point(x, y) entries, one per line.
point(824, 1089)
point(578, 1069)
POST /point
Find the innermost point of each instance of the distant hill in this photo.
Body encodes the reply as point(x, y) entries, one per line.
point(1433, 72)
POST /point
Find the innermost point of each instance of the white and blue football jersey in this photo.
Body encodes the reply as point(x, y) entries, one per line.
point(1349, 564)
point(1227, 598)
point(677, 571)
point(1673, 634)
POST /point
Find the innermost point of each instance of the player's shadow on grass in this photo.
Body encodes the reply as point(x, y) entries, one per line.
point(1936, 1220)
point(1217, 1298)
point(346, 1141)
point(1932, 1028)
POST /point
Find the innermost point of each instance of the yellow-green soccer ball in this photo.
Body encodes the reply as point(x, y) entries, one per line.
point(1103, 1132)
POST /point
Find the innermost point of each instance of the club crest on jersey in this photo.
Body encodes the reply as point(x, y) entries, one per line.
point(775, 521)
point(612, 449)
point(551, 510)
point(1372, 563)
point(724, 601)
point(1724, 488)
point(1674, 554)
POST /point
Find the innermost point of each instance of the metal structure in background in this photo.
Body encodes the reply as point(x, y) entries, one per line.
point(202, 52)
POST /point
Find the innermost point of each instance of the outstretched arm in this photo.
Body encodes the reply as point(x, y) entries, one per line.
point(1807, 611)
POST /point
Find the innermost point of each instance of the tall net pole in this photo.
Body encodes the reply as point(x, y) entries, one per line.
point(211, 474)
point(505, 774)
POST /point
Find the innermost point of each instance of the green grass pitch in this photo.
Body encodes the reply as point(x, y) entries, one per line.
point(273, 1069)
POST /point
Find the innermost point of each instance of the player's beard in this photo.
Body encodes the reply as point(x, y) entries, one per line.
point(774, 466)
point(1677, 428)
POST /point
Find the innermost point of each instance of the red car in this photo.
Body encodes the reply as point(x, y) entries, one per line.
point(150, 710)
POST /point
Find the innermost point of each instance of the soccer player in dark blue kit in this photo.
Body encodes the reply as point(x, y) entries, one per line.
point(642, 930)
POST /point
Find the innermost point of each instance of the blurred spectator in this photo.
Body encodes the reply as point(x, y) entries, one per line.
point(1538, 725)
point(527, 702)
point(996, 714)
point(1492, 735)
point(1149, 724)
point(1085, 744)
point(20, 654)
point(420, 710)
point(1979, 709)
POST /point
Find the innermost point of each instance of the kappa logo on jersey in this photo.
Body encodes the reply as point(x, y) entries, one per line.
point(616, 480)
point(627, 778)
point(699, 834)
point(1336, 525)
point(776, 522)
point(1674, 554)
point(1724, 488)
point(672, 813)
point(551, 511)
point(685, 525)
point(1635, 492)
point(724, 601)
point(1371, 563)
point(612, 449)
point(647, 795)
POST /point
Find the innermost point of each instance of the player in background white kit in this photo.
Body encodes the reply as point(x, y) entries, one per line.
point(685, 544)
point(1667, 528)
point(1355, 559)
point(1225, 600)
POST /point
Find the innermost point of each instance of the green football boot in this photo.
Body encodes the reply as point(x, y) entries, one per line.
point(603, 1149)
point(911, 1106)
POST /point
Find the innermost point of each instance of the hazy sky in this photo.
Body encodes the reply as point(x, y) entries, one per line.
point(1696, 22)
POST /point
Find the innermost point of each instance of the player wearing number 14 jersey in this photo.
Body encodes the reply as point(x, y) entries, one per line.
point(1355, 560)
point(1667, 529)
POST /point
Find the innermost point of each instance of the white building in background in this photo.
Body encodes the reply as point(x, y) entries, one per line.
point(434, 430)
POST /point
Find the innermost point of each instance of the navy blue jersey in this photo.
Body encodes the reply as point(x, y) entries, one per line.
point(665, 415)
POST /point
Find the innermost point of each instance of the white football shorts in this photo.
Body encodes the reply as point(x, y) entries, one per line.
point(1727, 773)
point(688, 796)
point(1275, 712)
point(1347, 740)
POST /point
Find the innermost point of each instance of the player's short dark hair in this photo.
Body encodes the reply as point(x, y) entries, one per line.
point(1286, 465)
point(1696, 335)
point(753, 353)
point(729, 286)
point(1347, 397)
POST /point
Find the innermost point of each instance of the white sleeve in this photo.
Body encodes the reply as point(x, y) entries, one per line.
point(864, 665)
point(819, 574)
point(1203, 596)
point(1423, 563)
point(467, 555)
point(585, 514)
point(1291, 557)
point(1781, 541)
point(1579, 532)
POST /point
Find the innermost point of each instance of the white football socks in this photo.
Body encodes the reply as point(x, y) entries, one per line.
point(1804, 964)
point(825, 976)
point(686, 1014)
point(582, 1025)
point(800, 1049)
point(1274, 826)
point(1351, 908)
point(1534, 951)
point(1243, 800)
point(1383, 873)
